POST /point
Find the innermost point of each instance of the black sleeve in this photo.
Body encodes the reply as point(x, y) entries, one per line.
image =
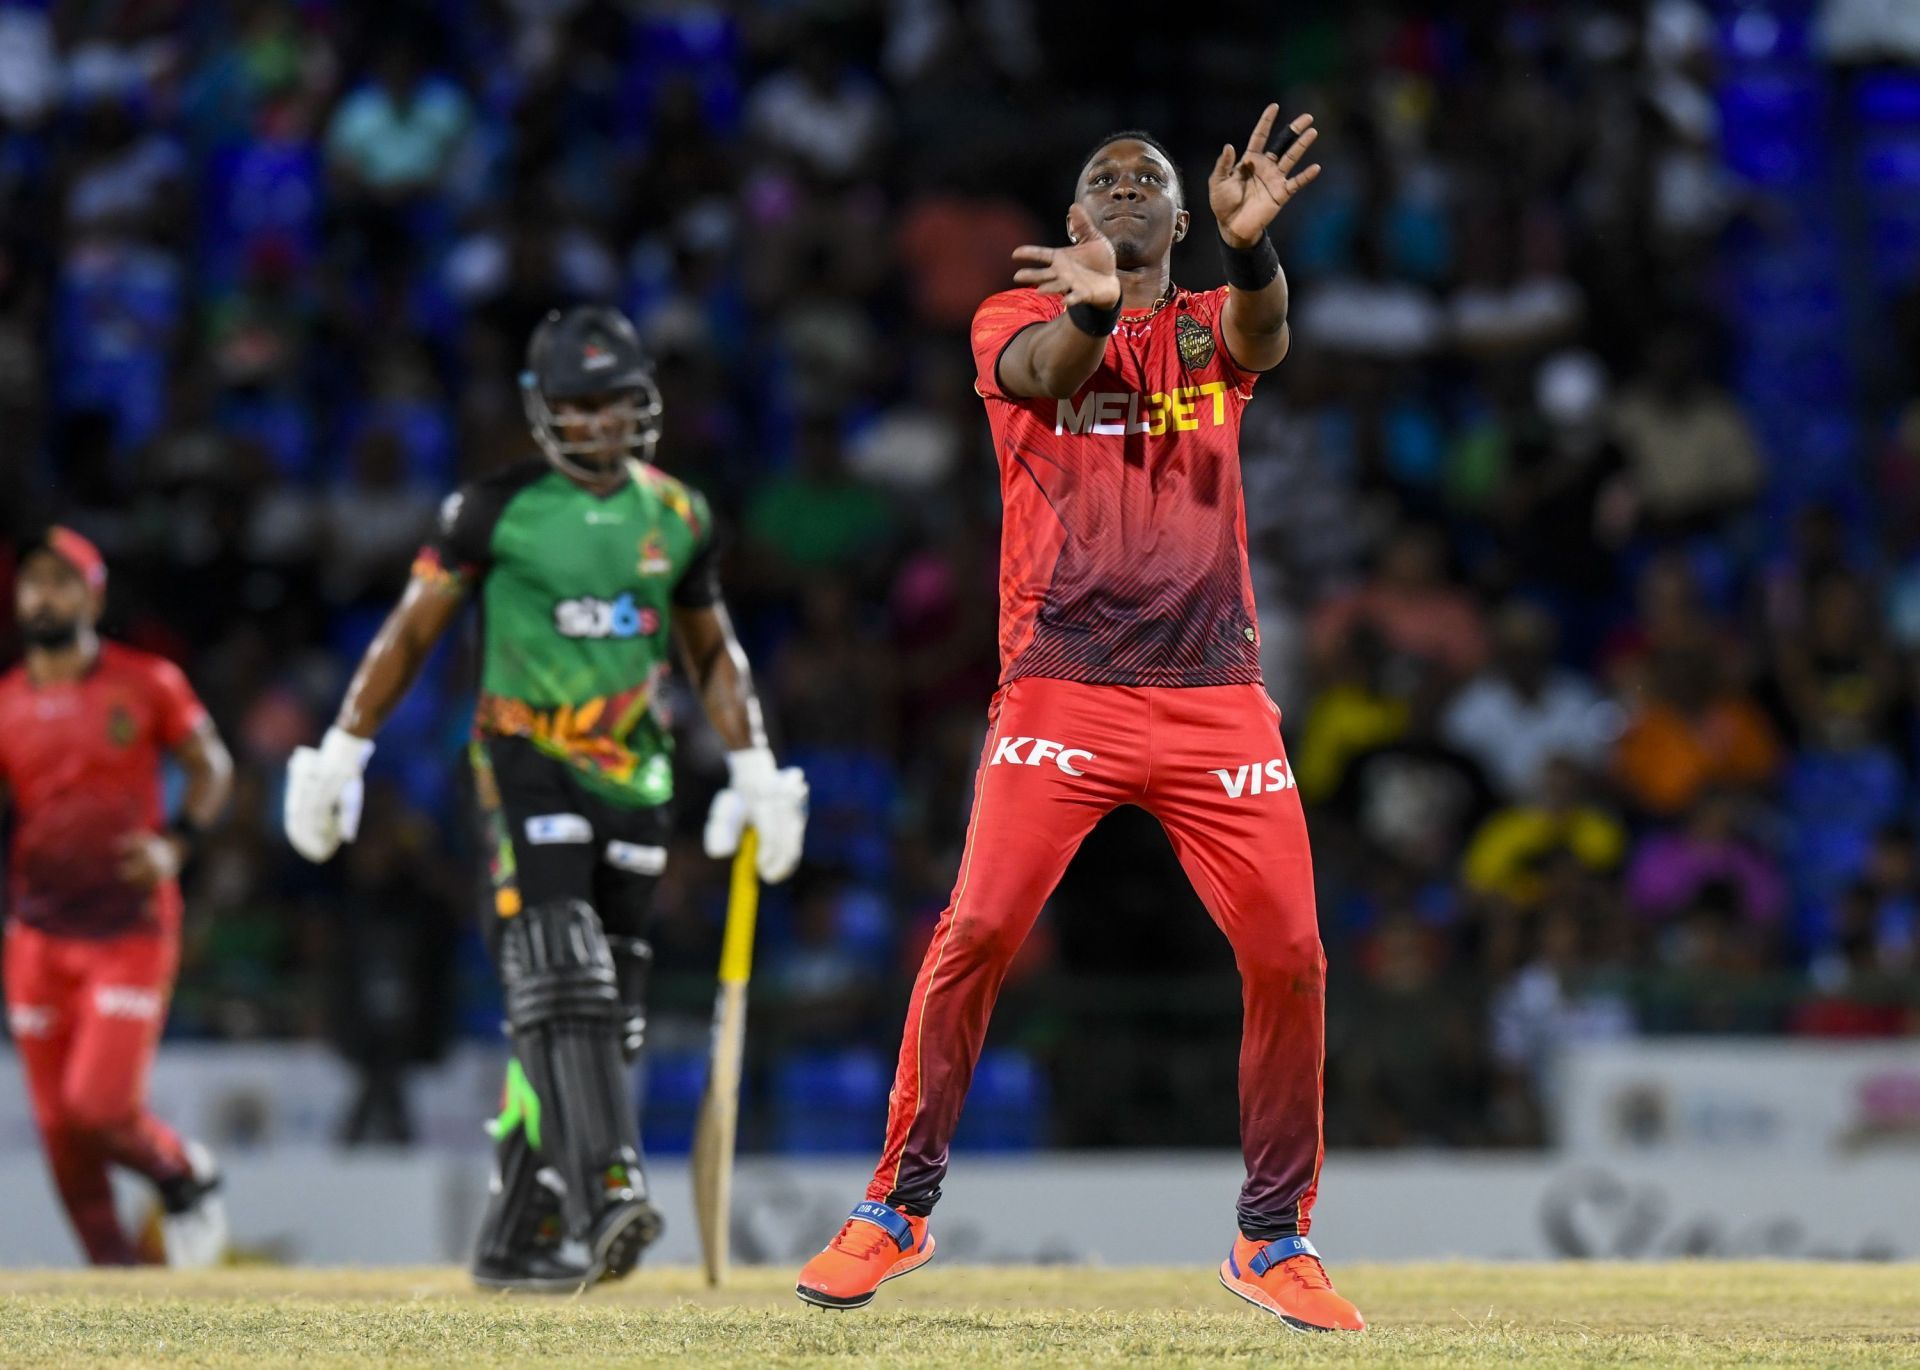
point(699, 585)
point(461, 543)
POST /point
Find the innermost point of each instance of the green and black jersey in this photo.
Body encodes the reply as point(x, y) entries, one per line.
point(577, 592)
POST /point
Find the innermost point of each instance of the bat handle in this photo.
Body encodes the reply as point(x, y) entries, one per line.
point(736, 948)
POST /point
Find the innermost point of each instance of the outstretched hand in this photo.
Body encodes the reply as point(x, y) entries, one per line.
point(1084, 272)
point(1247, 191)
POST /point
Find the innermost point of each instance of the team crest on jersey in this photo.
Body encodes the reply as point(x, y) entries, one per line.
point(1195, 340)
point(121, 729)
point(654, 560)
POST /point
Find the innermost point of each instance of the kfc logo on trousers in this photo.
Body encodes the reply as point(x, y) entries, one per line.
point(1039, 749)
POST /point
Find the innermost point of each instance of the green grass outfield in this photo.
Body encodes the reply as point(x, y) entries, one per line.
point(1685, 1314)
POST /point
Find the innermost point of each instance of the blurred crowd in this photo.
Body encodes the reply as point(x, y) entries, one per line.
point(1584, 518)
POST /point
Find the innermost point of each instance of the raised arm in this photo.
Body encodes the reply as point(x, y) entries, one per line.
point(1057, 358)
point(1247, 192)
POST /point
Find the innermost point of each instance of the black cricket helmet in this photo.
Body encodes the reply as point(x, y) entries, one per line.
point(590, 351)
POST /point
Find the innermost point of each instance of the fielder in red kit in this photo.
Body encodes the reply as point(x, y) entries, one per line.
point(93, 933)
point(1130, 674)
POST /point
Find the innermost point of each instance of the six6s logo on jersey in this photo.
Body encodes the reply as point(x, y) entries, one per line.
point(599, 619)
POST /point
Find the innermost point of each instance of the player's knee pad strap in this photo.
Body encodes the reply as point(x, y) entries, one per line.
point(633, 969)
point(556, 965)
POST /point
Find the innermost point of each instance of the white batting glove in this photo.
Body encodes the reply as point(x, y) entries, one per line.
point(324, 791)
point(771, 801)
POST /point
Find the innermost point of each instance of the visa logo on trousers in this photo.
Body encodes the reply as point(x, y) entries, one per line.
point(1274, 775)
point(127, 1001)
point(1042, 750)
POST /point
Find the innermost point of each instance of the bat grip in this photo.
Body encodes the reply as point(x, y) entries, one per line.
point(743, 899)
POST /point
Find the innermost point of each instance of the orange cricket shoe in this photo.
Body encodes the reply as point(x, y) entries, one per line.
point(1285, 1278)
point(874, 1245)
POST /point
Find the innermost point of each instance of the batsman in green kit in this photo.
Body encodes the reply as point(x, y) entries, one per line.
point(592, 568)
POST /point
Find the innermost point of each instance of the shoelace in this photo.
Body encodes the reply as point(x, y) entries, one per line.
point(862, 1240)
point(1308, 1272)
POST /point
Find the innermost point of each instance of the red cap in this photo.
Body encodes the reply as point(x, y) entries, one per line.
point(80, 554)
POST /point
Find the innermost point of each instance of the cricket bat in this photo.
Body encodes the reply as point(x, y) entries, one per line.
point(720, 1108)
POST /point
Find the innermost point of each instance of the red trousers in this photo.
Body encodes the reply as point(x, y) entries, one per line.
point(1208, 763)
point(86, 1015)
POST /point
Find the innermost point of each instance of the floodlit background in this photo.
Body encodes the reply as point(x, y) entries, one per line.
point(1584, 520)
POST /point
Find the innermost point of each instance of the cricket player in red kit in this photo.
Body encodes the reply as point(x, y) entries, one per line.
point(93, 933)
point(1130, 674)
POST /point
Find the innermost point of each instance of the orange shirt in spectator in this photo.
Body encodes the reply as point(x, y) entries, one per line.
point(1668, 755)
point(1437, 624)
point(1410, 606)
point(955, 251)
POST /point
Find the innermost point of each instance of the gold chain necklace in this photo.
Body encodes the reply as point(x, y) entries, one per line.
point(1154, 308)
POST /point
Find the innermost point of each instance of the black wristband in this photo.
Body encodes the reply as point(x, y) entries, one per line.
point(1092, 320)
point(1251, 268)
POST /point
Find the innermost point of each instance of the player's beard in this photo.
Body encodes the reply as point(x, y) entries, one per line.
point(1129, 252)
point(49, 633)
point(1140, 249)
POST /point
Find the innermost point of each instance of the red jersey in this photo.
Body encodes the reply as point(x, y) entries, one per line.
point(81, 760)
point(1123, 555)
